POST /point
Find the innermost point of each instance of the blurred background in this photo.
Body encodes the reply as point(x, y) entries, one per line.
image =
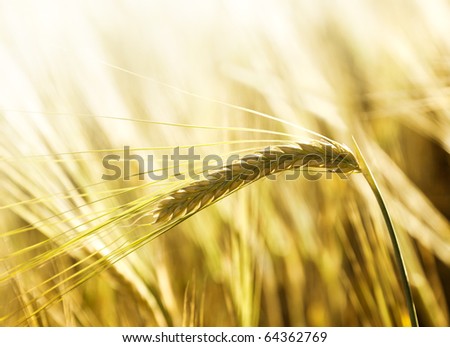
point(83, 79)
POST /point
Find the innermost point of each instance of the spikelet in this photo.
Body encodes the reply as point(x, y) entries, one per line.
point(327, 155)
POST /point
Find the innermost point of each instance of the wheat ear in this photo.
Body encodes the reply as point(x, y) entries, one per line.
point(325, 155)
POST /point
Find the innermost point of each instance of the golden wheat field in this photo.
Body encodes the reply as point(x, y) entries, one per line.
point(101, 227)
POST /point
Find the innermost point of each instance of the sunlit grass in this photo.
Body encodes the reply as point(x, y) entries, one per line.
point(81, 81)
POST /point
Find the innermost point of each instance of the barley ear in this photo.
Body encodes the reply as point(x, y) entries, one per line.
point(323, 155)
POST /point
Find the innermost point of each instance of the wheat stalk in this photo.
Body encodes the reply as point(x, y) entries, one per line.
point(393, 236)
point(328, 155)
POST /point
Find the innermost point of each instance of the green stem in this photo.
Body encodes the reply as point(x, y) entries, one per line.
point(395, 244)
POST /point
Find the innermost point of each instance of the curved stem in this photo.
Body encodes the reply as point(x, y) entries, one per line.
point(395, 244)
